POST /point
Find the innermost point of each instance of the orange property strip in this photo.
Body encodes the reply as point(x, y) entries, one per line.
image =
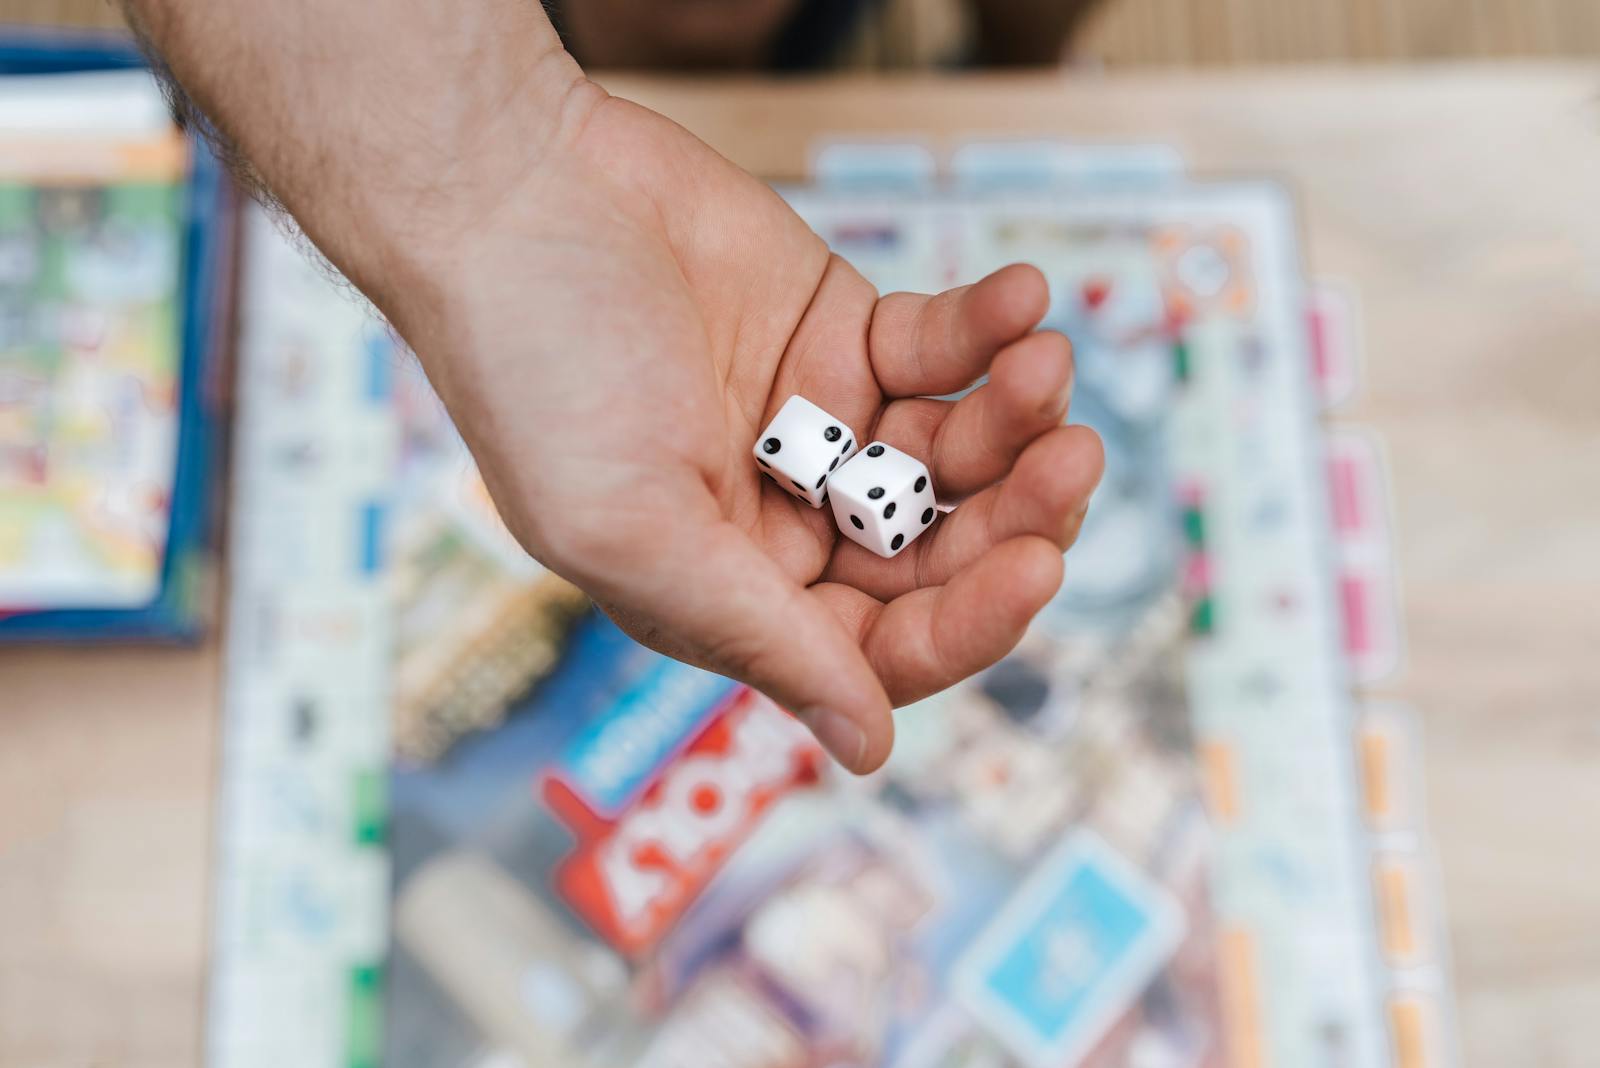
point(1376, 769)
point(1220, 780)
point(1407, 1022)
point(1395, 912)
point(1241, 999)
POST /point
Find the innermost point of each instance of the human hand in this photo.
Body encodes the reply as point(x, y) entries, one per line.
point(618, 331)
point(611, 312)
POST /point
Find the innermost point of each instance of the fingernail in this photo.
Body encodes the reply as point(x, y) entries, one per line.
point(838, 734)
point(1056, 407)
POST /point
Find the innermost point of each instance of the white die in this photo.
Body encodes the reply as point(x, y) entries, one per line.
point(882, 499)
point(802, 447)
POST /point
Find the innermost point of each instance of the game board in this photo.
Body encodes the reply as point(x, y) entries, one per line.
point(89, 357)
point(1151, 836)
point(112, 232)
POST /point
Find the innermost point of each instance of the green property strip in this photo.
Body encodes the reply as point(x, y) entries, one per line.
point(371, 806)
point(364, 1020)
point(1194, 527)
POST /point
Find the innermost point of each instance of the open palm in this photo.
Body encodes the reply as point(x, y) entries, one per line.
point(613, 362)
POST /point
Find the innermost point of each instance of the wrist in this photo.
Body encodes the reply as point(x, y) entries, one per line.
point(415, 234)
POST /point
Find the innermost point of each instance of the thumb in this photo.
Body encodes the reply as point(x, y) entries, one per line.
point(710, 597)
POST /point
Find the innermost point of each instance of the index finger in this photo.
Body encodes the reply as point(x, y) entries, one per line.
point(921, 345)
point(928, 639)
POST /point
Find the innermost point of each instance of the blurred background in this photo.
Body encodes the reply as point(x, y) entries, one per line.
point(1164, 32)
point(302, 761)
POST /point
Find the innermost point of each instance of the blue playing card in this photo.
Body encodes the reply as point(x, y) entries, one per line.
point(1070, 952)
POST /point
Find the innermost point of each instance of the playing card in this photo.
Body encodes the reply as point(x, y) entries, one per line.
point(1367, 581)
point(1070, 952)
point(1389, 747)
point(857, 165)
point(1333, 320)
point(982, 166)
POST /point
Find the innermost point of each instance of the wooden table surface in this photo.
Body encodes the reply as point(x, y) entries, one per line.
point(1460, 202)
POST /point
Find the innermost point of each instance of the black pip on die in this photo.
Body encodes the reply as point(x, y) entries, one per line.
point(882, 499)
point(802, 447)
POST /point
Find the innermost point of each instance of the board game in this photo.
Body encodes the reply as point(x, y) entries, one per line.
point(1162, 833)
point(111, 223)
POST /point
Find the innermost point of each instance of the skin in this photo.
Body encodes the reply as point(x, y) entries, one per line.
point(611, 312)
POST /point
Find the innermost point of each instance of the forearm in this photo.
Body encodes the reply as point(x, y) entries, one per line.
point(385, 127)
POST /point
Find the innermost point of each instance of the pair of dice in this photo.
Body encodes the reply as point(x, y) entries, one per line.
point(882, 498)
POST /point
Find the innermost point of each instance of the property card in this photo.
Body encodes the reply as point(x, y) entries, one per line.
point(985, 166)
point(1070, 953)
point(1368, 580)
point(1332, 316)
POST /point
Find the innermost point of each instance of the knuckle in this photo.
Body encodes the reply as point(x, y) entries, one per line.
point(742, 655)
